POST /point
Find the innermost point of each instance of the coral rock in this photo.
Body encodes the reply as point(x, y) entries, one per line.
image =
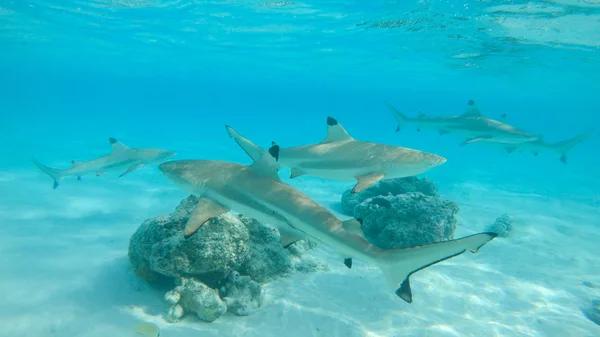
point(388, 187)
point(503, 226)
point(267, 259)
point(198, 298)
point(158, 247)
point(409, 219)
point(241, 294)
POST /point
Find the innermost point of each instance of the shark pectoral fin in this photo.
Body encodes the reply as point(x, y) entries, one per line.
point(398, 265)
point(267, 164)
point(503, 116)
point(475, 140)
point(348, 262)
point(204, 211)
point(289, 236)
point(131, 169)
point(78, 177)
point(99, 173)
point(116, 145)
point(366, 181)
point(296, 173)
point(443, 132)
point(510, 149)
point(335, 132)
point(353, 226)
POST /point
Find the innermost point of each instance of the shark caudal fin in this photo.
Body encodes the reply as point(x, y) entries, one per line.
point(399, 264)
point(400, 117)
point(561, 148)
point(55, 174)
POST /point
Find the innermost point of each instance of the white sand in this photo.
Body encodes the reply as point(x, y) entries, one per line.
point(64, 269)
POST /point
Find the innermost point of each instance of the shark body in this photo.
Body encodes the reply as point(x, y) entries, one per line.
point(121, 157)
point(559, 149)
point(256, 191)
point(472, 125)
point(341, 157)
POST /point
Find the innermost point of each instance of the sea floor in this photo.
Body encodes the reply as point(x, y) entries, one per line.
point(65, 273)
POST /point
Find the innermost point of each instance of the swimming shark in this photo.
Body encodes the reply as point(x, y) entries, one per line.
point(341, 157)
point(560, 148)
point(120, 157)
point(472, 124)
point(256, 190)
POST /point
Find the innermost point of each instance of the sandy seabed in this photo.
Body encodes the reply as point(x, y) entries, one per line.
point(65, 273)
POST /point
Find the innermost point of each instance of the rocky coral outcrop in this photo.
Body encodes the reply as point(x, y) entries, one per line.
point(388, 187)
point(408, 219)
point(158, 248)
point(241, 294)
point(193, 296)
point(267, 258)
point(503, 226)
point(232, 253)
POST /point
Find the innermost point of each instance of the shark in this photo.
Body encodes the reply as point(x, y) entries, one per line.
point(472, 125)
point(559, 148)
point(341, 157)
point(256, 190)
point(121, 157)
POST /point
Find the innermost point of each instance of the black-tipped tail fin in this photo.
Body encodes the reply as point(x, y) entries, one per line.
point(399, 264)
point(400, 117)
point(55, 174)
point(561, 148)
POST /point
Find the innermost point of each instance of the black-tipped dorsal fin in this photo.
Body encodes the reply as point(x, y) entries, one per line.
point(472, 110)
point(335, 132)
point(267, 164)
point(117, 145)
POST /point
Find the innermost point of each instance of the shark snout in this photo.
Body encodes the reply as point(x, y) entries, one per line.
point(435, 160)
point(169, 154)
point(168, 168)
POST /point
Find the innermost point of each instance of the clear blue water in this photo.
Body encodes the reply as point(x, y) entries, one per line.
point(171, 74)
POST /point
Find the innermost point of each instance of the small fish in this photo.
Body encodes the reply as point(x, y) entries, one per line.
point(147, 329)
point(120, 157)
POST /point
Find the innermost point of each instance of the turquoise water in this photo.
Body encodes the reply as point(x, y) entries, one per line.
point(172, 74)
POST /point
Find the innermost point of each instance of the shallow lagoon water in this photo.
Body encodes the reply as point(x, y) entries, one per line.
point(171, 74)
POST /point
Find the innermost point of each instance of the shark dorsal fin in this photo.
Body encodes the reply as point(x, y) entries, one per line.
point(266, 165)
point(117, 146)
point(421, 115)
point(251, 149)
point(254, 151)
point(335, 132)
point(472, 110)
